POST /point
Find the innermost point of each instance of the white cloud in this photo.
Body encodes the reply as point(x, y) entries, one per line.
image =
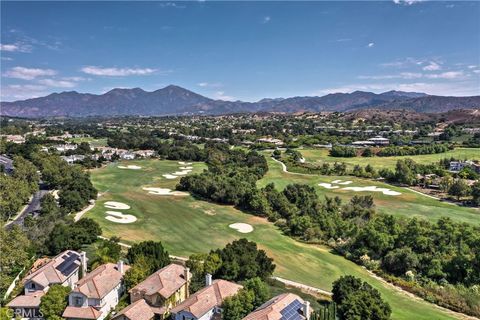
point(7, 59)
point(407, 2)
point(371, 44)
point(17, 91)
point(220, 95)
point(446, 75)
point(266, 19)
point(15, 47)
point(117, 72)
point(209, 84)
point(28, 73)
point(444, 88)
point(472, 66)
point(57, 83)
point(432, 66)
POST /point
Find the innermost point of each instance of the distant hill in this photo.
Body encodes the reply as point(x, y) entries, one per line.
point(174, 100)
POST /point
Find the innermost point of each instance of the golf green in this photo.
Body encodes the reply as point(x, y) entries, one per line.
point(186, 225)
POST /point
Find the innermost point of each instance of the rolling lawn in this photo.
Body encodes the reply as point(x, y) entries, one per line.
point(408, 204)
point(186, 225)
point(321, 155)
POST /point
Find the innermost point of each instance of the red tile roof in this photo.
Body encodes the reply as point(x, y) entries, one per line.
point(98, 283)
point(81, 313)
point(27, 301)
point(165, 281)
point(271, 309)
point(207, 298)
point(139, 310)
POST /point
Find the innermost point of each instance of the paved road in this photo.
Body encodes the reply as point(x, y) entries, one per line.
point(33, 205)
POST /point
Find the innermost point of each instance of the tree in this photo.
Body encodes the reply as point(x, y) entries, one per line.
point(399, 261)
point(459, 189)
point(358, 300)
point(54, 302)
point(106, 251)
point(138, 272)
point(476, 193)
point(253, 294)
point(242, 260)
point(152, 251)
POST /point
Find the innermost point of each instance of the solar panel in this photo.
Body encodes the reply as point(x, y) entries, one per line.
point(292, 311)
point(68, 265)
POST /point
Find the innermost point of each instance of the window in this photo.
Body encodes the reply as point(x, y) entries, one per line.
point(78, 301)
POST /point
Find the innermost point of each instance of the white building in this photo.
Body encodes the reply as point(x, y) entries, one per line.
point(64, 269)
point(379, 140)
point(96, 294)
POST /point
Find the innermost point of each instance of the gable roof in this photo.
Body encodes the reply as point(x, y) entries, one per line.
point(165, 281)
point(284, 306)
point(81, 313)
point(139, 310)
point(207, 298)
point(57, 270)
point(98, 283)
point(27, 301)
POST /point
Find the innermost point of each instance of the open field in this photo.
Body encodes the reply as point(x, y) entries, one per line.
point(186, 225)
point(321, 155)
point(409, 204)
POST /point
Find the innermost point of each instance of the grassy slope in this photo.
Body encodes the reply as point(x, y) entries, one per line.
point(186, 225)
point(407, 204)
point(313, 155)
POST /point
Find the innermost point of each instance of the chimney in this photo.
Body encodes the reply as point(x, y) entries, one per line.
point(83, 262)
point(208, 279)
point(306, 310)
point(120, 266)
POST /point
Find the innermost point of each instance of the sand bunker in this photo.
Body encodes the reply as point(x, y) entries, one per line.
point(165, 192)
point(181, 173)
point(130, 167)
point(242, 227)
point(385, 191)
point(119, 217)
point(186, 168)
point(169, 176)
point(116, 205)
point(184, 163)
point(341, 182)
point(328, 186)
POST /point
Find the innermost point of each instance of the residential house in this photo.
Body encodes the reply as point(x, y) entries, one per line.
point(205, 304)
point(65, 269)
point(73, 158)
point(283, 306)
point(456, 166)
point(379, 140)
point(164, 289)
point(96, 294)
point(7, 164)
point(139, 310)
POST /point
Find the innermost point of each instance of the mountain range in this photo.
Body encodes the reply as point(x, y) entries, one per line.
point(175, 100)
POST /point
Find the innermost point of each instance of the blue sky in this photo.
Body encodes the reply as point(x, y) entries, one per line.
point(240, 50)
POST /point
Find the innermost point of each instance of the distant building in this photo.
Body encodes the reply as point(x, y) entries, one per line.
point(379, 140)
point(205, 304)
point(456, 166)
point(64, 269)
point(73, 158)
point(274, 141)
point(283, 306)
point(65, 147)
point(96, 294)
point(15, 138)
point(7, 164)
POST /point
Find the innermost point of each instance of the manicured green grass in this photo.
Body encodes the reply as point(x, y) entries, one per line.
point(321, 155)
point(186, 225)
point(409, 204)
